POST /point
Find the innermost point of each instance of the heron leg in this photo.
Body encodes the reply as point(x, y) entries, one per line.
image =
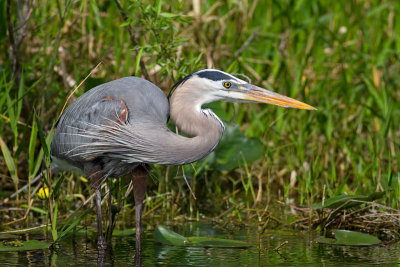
point(95, 178)
point(140, 178)
point(110, 227)
point(110, 219)
point(101, 243)
point(113, 211)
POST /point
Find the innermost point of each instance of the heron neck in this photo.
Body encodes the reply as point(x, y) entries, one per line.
point(201, 125)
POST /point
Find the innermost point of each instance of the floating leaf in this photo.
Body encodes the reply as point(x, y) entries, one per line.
point(337, 201)
point(21, 246)
point(124, 232)
point(349, 238)
point(168, 237)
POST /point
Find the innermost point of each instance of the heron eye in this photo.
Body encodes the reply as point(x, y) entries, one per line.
point(227, 84)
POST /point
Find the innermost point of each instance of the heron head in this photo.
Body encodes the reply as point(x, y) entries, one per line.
point(211, 85)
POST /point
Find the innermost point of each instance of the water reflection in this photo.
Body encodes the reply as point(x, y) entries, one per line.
point(80, 250)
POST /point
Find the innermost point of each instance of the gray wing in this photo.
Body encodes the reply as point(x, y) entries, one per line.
point(74, 134)
point(128, 100)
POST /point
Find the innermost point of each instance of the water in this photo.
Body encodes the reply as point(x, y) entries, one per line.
point(300, 250)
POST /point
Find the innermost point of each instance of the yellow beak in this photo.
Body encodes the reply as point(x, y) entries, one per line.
point(257, 94)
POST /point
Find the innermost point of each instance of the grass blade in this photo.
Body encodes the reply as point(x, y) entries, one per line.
point(9, 162)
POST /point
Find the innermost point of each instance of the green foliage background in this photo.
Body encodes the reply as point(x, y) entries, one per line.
point(339, 56)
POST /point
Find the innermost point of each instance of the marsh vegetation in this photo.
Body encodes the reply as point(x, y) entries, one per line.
point(272, 165)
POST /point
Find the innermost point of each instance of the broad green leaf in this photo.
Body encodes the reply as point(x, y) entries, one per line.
point(22, 246)
point(219, 109)
point(168, 237)
point(235, 148)
point(124, 232)
point(337, 201)
point(349, 238)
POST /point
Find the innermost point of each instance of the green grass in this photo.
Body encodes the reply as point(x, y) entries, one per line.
point(339, 56)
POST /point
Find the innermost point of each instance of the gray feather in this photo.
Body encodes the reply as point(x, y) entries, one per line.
point(90, 133)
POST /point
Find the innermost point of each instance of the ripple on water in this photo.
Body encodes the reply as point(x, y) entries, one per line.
point(80, 250)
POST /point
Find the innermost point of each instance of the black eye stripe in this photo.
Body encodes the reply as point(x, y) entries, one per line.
point(213, 75)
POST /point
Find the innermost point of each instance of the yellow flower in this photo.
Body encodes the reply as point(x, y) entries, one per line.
point(43, 193)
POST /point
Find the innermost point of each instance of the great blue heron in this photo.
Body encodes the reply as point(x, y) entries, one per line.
point(116, 128)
